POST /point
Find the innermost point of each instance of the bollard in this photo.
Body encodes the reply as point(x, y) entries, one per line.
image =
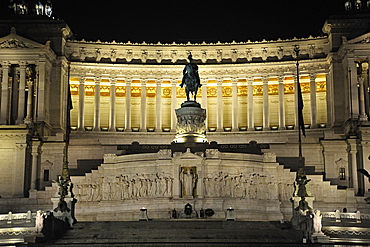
point(10, 217)
point(29, 217)
point(337, 216)
point(358, 216)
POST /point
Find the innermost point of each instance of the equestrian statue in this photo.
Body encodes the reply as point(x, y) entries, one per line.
point(191, 79)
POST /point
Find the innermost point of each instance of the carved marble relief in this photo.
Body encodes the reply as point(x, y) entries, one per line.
point(125, 187)
point(252, 186)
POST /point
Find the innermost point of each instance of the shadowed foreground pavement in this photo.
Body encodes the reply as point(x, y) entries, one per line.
point(180, 233)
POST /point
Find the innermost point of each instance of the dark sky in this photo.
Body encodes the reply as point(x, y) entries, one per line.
point(181, 21)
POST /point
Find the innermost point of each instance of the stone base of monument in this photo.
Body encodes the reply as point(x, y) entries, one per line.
point(67, 214)
point(190, 126)
point(319, 238)
point(161, 208)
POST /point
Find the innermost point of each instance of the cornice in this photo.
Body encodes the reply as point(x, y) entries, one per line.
point(113, 52)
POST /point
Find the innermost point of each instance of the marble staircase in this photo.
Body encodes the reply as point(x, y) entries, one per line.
point(181, 233)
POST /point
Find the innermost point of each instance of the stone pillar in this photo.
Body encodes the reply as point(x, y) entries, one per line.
point(176, 182)
point(22, 94)
point(204, 99)
point(219, 105)
point(313, 100)
point(128, 105)
point(143, 106)
point(28, 119)
point(281, 103)
point(4, 94)
point(158, 106)
point(235, 124)
point(363, 116)
point(330, 100)
point(112, 105)
point(97, 105)
point(352, 148)
point(35, 155)
point(81, 101)
point(41, 69)
point(354, 97)
point(250, 104)
point(266, 119)
point(173, 105)
point(16, 188)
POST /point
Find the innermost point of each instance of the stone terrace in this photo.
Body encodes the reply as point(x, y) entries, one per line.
point(180, 233)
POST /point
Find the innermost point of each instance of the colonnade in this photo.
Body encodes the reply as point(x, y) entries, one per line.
point(17, 78)
point(220, 82)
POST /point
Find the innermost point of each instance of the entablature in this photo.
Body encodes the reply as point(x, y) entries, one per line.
point(225, 53)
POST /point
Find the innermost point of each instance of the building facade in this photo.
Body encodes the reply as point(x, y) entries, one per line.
point(128, 92)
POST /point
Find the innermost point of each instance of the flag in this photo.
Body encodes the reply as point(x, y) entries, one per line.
point(300, 108)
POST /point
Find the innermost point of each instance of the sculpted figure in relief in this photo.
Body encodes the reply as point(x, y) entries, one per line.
point(188, 181)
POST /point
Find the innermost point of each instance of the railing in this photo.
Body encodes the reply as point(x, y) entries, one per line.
point(340, 215)
point(28, 217)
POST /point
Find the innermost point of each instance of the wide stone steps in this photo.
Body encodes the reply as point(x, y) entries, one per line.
point(180, 233)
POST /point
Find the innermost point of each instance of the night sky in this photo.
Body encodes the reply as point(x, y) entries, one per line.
point(195, 21)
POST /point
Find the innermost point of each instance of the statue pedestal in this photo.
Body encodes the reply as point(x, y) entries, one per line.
point(295, 201)
point(190, 126)
point(68, 213)
point(319, 238)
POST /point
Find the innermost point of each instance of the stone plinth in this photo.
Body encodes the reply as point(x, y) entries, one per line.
point(69, 214)
point(190, 126)
point(319, 238)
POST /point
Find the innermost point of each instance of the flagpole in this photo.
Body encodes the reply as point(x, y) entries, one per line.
point(299, 94)
point(65, 170)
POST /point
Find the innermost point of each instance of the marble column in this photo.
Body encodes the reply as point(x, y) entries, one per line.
point(112, 105)
point(266, 119)
point(204, 100)
point(35, 155)
point(235, 124)
point(313, 100)
point(41, 69)
point(97, 105)
point(4, 94)
point(219, 105)
point(173, 104)
point(250, 104)
point(28, 119)
point(363, 116)
point(143, 106)
point(128, 105)
point(281, 103)
point(353, 154)
point(81, 102)
point(22, 93)
point(158, 106)
point(354, 97)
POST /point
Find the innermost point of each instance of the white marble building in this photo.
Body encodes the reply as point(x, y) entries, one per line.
point(127, 92)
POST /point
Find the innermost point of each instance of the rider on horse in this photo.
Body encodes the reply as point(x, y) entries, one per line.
point(191, 78)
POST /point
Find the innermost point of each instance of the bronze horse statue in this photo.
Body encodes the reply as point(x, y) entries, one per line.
point(191, 79)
